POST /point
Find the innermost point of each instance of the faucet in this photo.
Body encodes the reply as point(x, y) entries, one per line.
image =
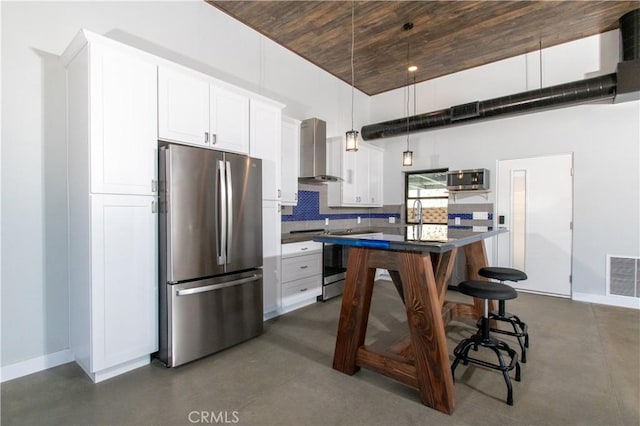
point(417, 204)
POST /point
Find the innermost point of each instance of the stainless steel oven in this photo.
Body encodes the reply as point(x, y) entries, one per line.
point(334, 270)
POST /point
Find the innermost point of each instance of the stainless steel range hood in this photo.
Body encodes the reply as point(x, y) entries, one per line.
point(313, 152)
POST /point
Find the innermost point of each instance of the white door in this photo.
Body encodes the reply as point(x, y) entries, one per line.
point(183, 107)
point(124, 130)
point(124, 292)
point(535, 203)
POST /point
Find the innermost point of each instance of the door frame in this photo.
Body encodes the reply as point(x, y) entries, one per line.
point(495, 248)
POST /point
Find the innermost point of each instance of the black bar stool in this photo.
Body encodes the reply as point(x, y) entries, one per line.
point(520, 329)
point(500, 292)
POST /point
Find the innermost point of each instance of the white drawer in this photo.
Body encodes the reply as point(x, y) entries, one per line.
point(294, 268)
point(296, 291)
point(301, 248)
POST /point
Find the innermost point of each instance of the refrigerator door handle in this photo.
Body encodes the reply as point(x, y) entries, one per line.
point(213, 287)
point(221, 199)
point(167, 193)
point(229, 237)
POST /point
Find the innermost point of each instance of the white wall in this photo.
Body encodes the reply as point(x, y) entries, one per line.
point(34, 245)
point(604, 138)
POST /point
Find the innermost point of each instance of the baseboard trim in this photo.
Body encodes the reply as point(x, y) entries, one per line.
point(125, 367)
point(611, 300)
point(30, 366)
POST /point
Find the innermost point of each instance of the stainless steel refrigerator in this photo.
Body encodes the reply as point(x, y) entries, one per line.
point(210, 251)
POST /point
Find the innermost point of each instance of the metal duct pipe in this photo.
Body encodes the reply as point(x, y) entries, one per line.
point(623, 85)
point(630, 35)
point(596, 88)
point(628, 72)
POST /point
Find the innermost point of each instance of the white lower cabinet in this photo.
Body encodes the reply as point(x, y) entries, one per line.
point(114, 284)
point(301, 274)
point(271, 234)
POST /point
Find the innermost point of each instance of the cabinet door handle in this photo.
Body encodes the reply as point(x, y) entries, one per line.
point(303, 289)
point(214, 139)
point(295, 196)
point(304, 248)
point(206, 137)
point(304, 267)
point(154, 206)
point(154, 185)
point(279, 193)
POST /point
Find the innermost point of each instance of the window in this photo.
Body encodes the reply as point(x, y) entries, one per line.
point(427, 201)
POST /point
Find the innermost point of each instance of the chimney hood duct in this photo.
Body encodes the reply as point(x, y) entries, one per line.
point(623, 85)
point(629, 69)
point(313, 152)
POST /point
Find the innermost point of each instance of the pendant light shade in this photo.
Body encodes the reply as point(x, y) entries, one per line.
point(352, 140)
point(352, 135)
point(407, 158)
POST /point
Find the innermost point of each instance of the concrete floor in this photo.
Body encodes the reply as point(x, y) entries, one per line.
point(583, 368)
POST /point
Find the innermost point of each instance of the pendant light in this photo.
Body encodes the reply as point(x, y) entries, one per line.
point(407, 156)
point(352, 135)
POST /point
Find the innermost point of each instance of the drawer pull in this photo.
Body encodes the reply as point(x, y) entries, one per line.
point(304, 248)
point(304, 267)
point(303, 289)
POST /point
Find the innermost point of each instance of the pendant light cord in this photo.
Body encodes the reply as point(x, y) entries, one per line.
point(540, 51)
point(353, 42)
point(408, 89)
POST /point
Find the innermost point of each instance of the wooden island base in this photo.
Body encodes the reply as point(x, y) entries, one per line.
point(421, 280)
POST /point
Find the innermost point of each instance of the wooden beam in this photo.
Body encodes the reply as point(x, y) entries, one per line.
point(354, 313)
point(396, 367)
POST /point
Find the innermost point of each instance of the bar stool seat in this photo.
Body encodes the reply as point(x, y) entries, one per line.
point(520, 329)
point(482, 337)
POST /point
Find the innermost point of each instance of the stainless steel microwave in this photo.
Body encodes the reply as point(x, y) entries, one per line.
point(468, 180)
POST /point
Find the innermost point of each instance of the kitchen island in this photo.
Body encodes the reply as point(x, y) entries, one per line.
point(420, 270)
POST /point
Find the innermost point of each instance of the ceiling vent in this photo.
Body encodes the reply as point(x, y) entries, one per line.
point(465, 111)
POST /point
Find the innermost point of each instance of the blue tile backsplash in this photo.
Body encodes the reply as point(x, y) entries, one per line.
point(308, 208)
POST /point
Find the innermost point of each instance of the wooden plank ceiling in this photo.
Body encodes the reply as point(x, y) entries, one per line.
point(448, 36)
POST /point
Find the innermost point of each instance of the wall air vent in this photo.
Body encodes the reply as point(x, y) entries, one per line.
point(623, 276)
point(464, 111)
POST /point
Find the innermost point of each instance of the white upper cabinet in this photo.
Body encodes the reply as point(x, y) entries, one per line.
point(198, 111)
point(265, 136)
point(361, 172)
point(374, 175)
point(183, 107)
point(228, 120)
point(123, 122)
point(290, 161)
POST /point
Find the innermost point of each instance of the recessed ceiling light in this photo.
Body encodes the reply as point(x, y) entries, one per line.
point(412, 68)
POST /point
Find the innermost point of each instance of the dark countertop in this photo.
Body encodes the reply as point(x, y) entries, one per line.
point(455, 238)
point(300, 236)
